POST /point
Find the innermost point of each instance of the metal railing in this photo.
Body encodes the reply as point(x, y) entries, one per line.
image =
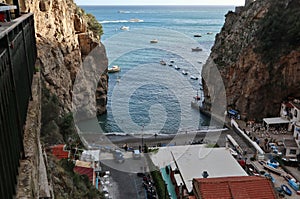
point(17, 63)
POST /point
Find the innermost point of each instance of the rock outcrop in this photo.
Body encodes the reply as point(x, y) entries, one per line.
point(257, 54)
point(64, 39)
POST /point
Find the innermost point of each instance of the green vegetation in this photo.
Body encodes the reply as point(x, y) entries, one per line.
point(279, 31)
point(94, 25)
point(159, 184)
point(80, 184)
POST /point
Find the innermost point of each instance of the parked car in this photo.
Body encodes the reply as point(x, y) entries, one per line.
point(118, 156)
point(136, 154)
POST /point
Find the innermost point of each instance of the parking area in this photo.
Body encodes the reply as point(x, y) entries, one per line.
point(124, 175)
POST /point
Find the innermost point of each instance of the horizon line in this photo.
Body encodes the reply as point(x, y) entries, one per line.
point(155, 5)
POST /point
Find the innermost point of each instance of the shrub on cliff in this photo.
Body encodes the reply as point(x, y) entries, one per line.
point(279, 30)
point(94, 25)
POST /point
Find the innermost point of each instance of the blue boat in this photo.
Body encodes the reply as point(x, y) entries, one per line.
point(268, 176)
point(286, 190)
point(294, 185)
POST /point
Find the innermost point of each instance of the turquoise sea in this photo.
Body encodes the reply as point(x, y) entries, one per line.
point(146, 96)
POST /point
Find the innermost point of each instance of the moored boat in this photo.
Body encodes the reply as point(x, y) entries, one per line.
point(197, 35)
point(184, 72)
point(124, 28)
point(194, 77)
point(286, 190)
point(197, 49)
point(176, 67)
point(162, 62)
point(114, 69)
point(153, 41)
point(293, 183)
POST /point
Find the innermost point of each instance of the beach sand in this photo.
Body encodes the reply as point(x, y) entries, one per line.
point(96, 140)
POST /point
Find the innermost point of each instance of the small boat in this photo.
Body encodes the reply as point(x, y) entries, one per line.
point(209, 33)
point(114, 69)
point(176, 67)
point(136, 20)
point(197, 35)
point(268, 176)
point(184, 72)
point(273, 163)
point(172, 61)
point(272, 169)
point(194, 77)
point(162, 62)
point(293, 183)
point(124, 28)
point(286, 190)
point(170, 64)
point(123, 11)
point(197, 49)
point(153, 41)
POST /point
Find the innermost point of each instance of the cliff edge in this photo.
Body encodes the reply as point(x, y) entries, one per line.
point(257, 54)
point(65, 36)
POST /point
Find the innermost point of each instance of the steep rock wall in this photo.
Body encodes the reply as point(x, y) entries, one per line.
point(64, 41)
point(258, 55)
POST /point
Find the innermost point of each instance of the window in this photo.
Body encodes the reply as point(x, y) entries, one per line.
point(295, 113)
point(293, 151)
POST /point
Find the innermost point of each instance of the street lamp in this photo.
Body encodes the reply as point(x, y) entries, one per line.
point(142, 137)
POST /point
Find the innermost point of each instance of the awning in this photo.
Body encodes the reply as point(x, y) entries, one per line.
point(275, 120)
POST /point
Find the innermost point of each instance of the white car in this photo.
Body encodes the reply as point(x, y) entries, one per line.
point(136, 154)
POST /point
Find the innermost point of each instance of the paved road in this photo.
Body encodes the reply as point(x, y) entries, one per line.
point(124, 175)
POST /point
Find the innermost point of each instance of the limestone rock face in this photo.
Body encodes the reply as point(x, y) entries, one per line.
point(258, 56)
point(63, 42)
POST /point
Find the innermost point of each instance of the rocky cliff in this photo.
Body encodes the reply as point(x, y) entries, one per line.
point(65, 36)
point(257, 54)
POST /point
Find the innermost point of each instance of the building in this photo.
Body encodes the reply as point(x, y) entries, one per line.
point(193, 161)
point(291, 111)
point(250, 187)
point(60, 151)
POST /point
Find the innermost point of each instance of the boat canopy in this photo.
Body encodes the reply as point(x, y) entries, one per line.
point(275, 120)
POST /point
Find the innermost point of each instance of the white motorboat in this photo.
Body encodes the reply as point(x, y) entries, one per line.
point(153, 41)
point(184, 72)
point(124, 28)
point(194, 77)
point(176, 67)
point(114, 69)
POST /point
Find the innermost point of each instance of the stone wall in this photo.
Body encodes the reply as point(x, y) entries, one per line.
point(32, 179)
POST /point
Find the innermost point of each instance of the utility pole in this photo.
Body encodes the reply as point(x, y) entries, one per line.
point(143, 138)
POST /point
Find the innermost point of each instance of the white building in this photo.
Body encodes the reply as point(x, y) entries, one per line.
point(193, 160)
point(291, 111)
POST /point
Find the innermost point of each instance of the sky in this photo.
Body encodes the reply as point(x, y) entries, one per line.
point(160, 2)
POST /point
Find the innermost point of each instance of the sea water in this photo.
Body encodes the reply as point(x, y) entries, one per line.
point(146, 96)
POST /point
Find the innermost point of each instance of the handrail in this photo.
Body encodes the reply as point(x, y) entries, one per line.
point(14, 23)
point(6, 8)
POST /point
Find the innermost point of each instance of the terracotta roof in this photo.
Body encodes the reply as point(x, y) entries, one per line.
point(58, 151)
point(289, 105)
point(242, 187)
point(85, 171)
